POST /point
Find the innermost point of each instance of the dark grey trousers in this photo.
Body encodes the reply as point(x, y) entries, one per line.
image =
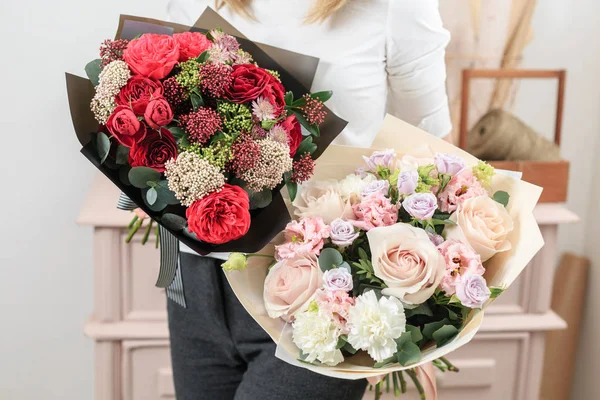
point(219, 352)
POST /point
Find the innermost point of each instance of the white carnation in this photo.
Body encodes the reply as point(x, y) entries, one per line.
point(374, 324)
point(317, 336)
point(354, 184)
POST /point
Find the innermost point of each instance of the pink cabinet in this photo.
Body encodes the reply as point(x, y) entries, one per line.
point(503, 362)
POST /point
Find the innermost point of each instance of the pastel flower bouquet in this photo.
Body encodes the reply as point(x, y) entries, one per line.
point(201, 129)
point(392, 259)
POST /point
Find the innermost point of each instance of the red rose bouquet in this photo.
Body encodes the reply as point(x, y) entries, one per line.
point(201, 129)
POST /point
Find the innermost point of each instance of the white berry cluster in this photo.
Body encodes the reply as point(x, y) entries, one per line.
point(274, 161)
point(112, 78)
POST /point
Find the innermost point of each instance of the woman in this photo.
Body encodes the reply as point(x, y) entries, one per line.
point(377, 56)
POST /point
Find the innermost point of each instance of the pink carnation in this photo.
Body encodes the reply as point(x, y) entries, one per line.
point(336, 303)
point(373, 211)
point(460, 259)
point(306, 236)
point(461, 187)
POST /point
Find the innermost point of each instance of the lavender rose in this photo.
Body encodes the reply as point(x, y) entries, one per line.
point(375, 187)
point(420, 205)
point(448, 163)
point(407, 182)
point(342, 233)
point(337, 279)
point(435, 238)
point(472, 291)
point(383, 158)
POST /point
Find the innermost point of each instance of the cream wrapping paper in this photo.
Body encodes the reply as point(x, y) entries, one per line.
point(339, 161)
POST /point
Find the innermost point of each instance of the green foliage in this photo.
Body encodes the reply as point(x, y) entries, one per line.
point(496, 291)
point(157, 205)
point(312, 129)
point(173, 221)
point(444, 180)
point(260, 199)
point(484, 173)
point(292, 188)
point(237, 117)
point(502, 197)
point(165, 194)
point(306, 146)
point(151, 196)
point(103, 146)
point(140, 176)
point(444, 334)
point(202, 58)
point(330, 258)
point(92, 70)
point(289, 98)
point(197, 100)
point(122, 155)
point(407, 351)
point(416, 335)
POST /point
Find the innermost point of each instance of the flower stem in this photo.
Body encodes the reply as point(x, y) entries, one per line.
point(378, 392)
point(259, 255)
point(450, 366)
point(396, 384)
point(413, 376)
point(387, 383)
point(402, 381)
point(135, 218)
point(134, 229)
point(147, 233)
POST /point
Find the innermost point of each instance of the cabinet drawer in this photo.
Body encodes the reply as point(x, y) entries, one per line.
point(491, 368)
point(147, 370)
point(142, 301)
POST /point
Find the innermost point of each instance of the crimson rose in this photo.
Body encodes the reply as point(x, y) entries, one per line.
point(249, 82)
point(138, 92)
point(191, 44)
point(158, 113)
point(125, 127)
point(154, 150)
point(152, 55)
point(275, 92)
point(294, 132)
point(221, 216)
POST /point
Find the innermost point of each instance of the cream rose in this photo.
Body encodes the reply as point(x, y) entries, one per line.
point(407, 262)
point(290, 285)
point(484, 224)
point(319, 199)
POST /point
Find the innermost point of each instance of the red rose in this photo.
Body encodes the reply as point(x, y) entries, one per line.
point(125, 127)
point(191, 44)
point(152, 55)
point(221, 216)
point(294, 131)
point(158, 113)
point(249, 82)
point(154, 150)
point(138, 92)
point(275, 92)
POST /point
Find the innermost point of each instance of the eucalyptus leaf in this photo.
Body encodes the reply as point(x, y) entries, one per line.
point(165, 194)
point(422, 309)
point(92, 70)
point(415, 333)
point(292, 188)
point(330, 258)
point(444, 334)
point(151, 196)
point(173, 221)
point(260, 199)
point(157, 205)
point(123, 174)
point(408, 353)
point(431, 327)
point(103, 146)
point(345, 266)
point(139, 176)
point(122, 155)
point(502, 197)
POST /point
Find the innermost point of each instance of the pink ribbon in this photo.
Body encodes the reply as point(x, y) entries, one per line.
point(426, 375)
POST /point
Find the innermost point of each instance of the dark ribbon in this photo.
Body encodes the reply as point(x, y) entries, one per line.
point(169, 275)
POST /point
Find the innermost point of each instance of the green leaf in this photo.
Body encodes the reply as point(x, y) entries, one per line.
point(444, 180)
point(312, 129)
point(454, 300)
point(345, 266)
point(123, 174)
point(122, 154)
point(405, 337)
point(292, 188)
point(341, 342)
point(421, 309)
point(441, 215)
point(289, 98)
point(260, 199)
point(415, 333)
point(444, 334)
point(139, 176)
point(177, 132)
point(92, 70)
point(330, 258)
point(173, 221)
point(323, 96)
point(103, 146)
point(502, 197)
point(435, 221)
point(306, 146)
point(408, 353)
point(451, 314)
point(165, 194)
point(157, 206)
point(363, 254)
point(496, 291)
point(431, 327)
point(151, 196)
point(385, 362)
point(197, 100)
point(267, 124)
point(202, 58)
point(348, 347)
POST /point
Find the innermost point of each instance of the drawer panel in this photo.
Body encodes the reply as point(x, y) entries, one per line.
point(491, 368)
point(147, 370)
point(142, 301)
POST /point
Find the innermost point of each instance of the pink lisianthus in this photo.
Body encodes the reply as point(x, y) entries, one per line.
point(460, 259)
point(373, 211)
point(461, 187)
point(306, 236)
point(337, 303)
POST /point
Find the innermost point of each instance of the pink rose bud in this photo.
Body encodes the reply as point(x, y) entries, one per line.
point(342, 233)
point(337, 279)
point(448, 163)
point(420, 205)
point(472, 291)
point(407, 182)
point(383, 158)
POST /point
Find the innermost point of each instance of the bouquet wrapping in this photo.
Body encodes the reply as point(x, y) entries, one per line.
point(201, 128)
point(395, 254)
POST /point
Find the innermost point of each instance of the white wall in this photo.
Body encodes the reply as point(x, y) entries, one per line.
point(45, 259)
point(567, 36)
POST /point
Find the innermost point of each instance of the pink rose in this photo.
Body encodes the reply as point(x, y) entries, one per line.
point(338, 279)
point(404, 258)
point(152, 55)
point(461, 187)
point(448, 163)
point(420, 205)
point(306, 236)
point(290, 285)
point(382, 158)
point(460, 260)
point(373, 211)
point(158, 113)
point(191, 44)
point(408, 181)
